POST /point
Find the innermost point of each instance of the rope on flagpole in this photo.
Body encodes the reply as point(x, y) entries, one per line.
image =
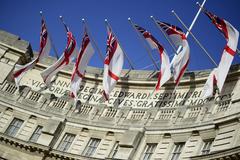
point(94, 43)
point(202, 8)
point(129, 61)
point(197, 41)
point(144, 44)
point(166, 37)
point(50, 37)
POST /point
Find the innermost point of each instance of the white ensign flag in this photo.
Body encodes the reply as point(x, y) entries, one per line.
point(113, 64)
point(85, 54)
point(45, 46)
point(69, 52)
point(220, 73)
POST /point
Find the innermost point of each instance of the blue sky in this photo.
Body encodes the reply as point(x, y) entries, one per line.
point(22, 18)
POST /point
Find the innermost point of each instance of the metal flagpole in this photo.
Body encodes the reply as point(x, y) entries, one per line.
point(50, 37)
point(201, 7)
point(201, 46)
point(166, 37)
point(129, 61)
point(67, 30)
point(95, 45)
point(144, 44)
point(193, 22)
point(65, 25)
point(195, 18)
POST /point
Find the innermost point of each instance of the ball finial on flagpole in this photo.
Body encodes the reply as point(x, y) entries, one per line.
point(197, 3)
point(129, 18)
point(105, 20)
point(40, 12)
point(60, 17)
point(173, 11)
point(83, 19)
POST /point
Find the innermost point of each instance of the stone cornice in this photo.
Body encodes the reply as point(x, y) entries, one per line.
point(42, 151)
point(228, 154)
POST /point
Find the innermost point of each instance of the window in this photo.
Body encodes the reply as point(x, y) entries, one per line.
point(14, 127)
point(91, 147)
point(66, 142)
point(177, 151)
point(149, 150)
point(36, 134)
point(207, 145)
point(115, 150)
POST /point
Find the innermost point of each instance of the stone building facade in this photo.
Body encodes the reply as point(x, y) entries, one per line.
point(41, 123)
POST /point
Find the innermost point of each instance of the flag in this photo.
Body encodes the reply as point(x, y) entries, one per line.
point(231, 35)
point(83, 58)
point(69, 52)
point(218, 22)
point(45, 46)
point(208, 87)
point(180, 61)
point(165, 72)
point(113, 64)
point(172, 30)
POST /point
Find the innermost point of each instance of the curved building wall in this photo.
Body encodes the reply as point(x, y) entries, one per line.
point(41, 123)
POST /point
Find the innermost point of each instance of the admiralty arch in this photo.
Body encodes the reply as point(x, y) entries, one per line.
point(38, 123)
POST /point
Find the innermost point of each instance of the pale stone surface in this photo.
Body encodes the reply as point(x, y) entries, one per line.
point(5, 71)
point(2, 51)
point(27, 129)
point(124, 153)
point(192, 147)
point(225, 136)
point(45, 139)
point(17, 154)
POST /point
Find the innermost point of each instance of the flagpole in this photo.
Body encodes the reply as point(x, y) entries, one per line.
point(64, 24)
point(202, 8)
point(50, 37)
point(166, 37)
point(67, 30)
point(195, 18)
point(129, 61)
point(197, 41)
point(193, 22)
point(143, 43)
point(94, 43)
